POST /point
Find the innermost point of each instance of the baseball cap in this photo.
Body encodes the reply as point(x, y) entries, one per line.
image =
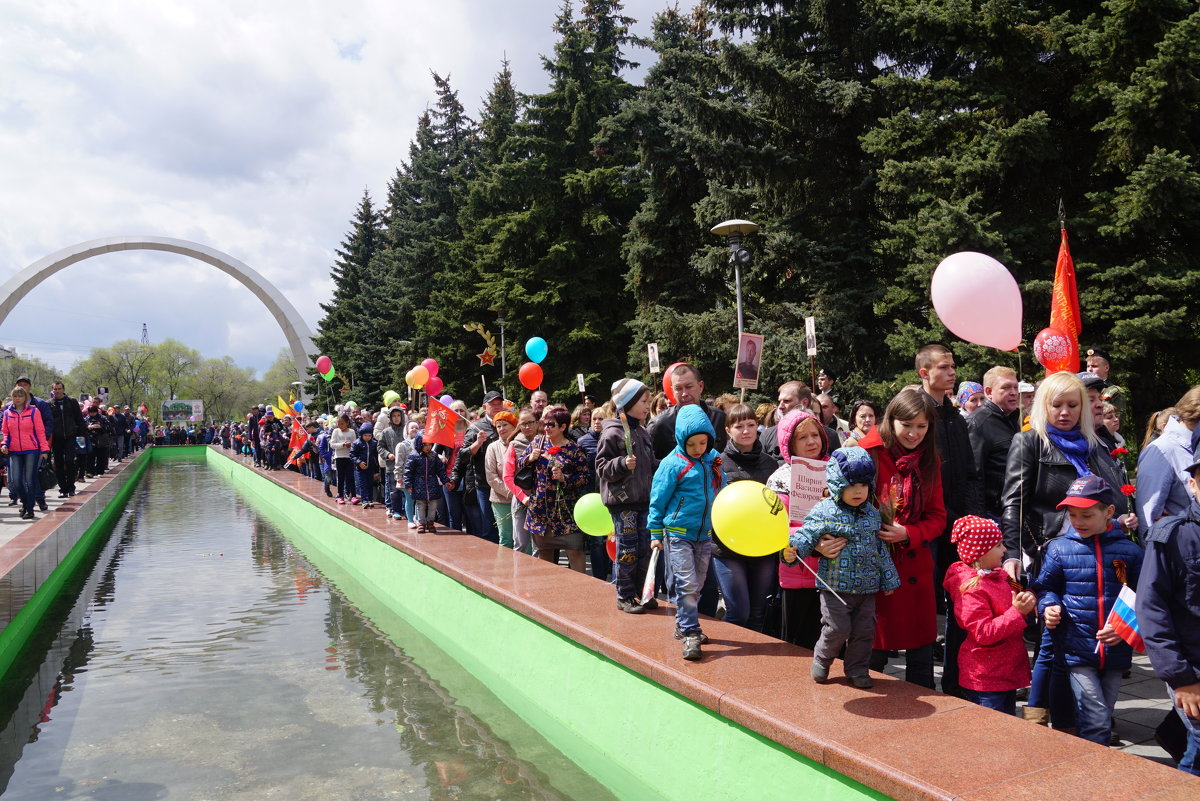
point(1087, 491)
point(1025, 386)
point(492, 395)
point(1092, 381)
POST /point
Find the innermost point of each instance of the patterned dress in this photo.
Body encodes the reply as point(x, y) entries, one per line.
point(551, 516)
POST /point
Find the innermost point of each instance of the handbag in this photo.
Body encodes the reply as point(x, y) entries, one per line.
point(526, 477)
point(47, 476)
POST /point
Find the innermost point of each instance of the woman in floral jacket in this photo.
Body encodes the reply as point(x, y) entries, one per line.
point(562, 473)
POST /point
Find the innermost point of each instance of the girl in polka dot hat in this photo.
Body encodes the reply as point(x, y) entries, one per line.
point(992, 663)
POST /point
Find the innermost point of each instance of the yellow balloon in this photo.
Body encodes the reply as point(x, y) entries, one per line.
point(750, 519)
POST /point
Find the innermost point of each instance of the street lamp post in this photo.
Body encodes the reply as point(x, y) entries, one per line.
point(503, 366)
point(733, 230)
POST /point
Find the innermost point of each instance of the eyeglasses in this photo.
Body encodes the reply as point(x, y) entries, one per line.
point(524, 423)
point(550, 424)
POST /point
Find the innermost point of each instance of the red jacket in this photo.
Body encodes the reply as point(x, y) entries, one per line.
point(24, 431)
point(992, 658)
point(908, 617)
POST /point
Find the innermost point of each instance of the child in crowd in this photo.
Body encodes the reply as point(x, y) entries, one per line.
point(992, 662)
point(340, 441)
point(401, 504)
point(424, 475)
point(364, 452)
point(861, 569)
point(681, 498)
point(1080, 579)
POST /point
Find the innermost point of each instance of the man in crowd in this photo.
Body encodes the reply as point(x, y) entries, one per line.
point(991, 430)
point(1097, 361)
point(474, 448)
point(960, 483)
point(68, 424)
point(825, 382)
point(538, 402)
point(1168, 612)
point(831, 421)
point(688, 389)
point(792, 395)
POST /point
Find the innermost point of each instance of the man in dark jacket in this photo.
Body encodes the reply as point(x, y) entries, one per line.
point(960, 483)
point(473, 456)
point(792, 395)
point(991, 429)
point(688, 389)
point(1168, 612)
point(68, 424)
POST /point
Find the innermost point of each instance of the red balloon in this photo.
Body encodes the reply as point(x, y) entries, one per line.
point(323, 365)
point(610, 547)
point(530, 375)
point(1056, 351)
point(670, 393)
point(433, 386)
point(432, 366)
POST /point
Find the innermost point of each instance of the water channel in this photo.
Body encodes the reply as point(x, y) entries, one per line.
point(204, 658)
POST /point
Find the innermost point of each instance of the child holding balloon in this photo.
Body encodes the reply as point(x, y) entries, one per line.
point(849, 582)
point(681, 500)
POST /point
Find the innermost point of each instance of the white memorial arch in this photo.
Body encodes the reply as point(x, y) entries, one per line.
point(298, 336)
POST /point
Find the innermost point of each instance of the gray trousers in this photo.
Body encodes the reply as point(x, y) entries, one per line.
point(851, 624)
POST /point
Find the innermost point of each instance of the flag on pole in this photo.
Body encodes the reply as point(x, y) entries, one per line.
point(1124, 620)
point(439, 423)
point(1064, 300)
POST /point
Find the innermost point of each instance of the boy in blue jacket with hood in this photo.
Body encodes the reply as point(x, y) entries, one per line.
point(1080, 579)
point(681, 500)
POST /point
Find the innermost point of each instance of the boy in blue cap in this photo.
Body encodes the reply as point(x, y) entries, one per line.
point(1081, 576)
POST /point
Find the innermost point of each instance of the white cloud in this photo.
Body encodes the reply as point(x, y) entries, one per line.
point(250, 128)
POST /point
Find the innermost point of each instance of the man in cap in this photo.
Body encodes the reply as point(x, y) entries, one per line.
point(825, 381)
point(1099, 362)
point(473, 457)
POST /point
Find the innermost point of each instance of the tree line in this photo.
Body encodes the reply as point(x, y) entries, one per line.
point(868, 139)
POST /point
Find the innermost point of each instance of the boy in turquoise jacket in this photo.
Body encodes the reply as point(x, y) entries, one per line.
point(681, 499)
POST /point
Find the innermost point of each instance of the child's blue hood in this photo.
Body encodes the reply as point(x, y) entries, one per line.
point(846, 466)
point(691, 420)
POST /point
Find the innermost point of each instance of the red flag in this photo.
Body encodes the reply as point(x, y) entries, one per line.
point(439, 424)
point(1064, 300)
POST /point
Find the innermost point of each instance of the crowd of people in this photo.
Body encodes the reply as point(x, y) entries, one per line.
point(1006, 508)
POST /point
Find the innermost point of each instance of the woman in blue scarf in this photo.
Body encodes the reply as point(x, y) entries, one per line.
point(1042, 464)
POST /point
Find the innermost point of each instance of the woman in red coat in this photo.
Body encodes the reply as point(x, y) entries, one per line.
point(909, 488)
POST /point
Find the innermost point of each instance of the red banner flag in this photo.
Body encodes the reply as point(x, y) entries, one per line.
point(439, 424)
point(1064, 301)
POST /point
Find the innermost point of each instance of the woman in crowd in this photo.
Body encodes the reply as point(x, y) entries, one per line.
point(1162, 465)
point(747, 582)
point(908, 485)
point(26, 444)
point(561, 474)
point(581, 422)
point(501, 496)
point(1043, 462)
point(527, 426)
point(864, 414)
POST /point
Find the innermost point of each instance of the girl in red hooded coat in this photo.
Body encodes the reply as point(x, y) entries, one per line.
point(908, 485)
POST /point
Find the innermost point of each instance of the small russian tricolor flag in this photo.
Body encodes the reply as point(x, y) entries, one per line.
point(1124, 621)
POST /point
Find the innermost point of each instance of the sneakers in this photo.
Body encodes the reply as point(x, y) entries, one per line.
point(861, 682)
point(820, 673)
point(679, 634)
point(651, 604)
point(395, 515)
point(341, 500)
point(42, 505)
point(355, 500)
point(631, 606)
point(691, 646)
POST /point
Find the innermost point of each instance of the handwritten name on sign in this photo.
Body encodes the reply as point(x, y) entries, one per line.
point(807, 487)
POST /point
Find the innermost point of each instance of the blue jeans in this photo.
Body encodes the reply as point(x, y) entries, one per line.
point(747, 582)
point(487, 522)
point(23, 478)
point(633, 551)
point(364, 480)
point(1000, 700)
point(1095, 692)
point(452, 512)
point(689, 567)
point(1191, 757)
point(1050, 687)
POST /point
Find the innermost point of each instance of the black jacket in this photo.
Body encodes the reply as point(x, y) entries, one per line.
point(68, 420)
point(1036, 480)
point(991, 432)
point(619, 488)
point(662, 429)
point(961, 490)
point(1168, 603)
point(754, 465)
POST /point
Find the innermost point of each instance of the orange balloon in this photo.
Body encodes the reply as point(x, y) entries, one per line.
point(530, 375)
point(670, 393)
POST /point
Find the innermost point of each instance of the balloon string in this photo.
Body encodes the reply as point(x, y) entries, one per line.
point(818, 578)
point(1020, 431)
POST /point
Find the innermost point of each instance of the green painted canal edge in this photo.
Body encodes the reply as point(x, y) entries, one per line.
point(636, 737)
point(20, 629)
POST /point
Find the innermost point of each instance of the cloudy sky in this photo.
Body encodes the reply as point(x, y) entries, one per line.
point(252, 128)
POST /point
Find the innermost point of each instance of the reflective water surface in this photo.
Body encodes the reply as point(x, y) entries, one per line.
point(205, 658)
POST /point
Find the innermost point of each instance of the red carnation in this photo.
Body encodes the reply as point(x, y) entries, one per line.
point(1128, 489)
point(1115, 452)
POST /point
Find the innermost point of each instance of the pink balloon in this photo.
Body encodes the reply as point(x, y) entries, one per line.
point(432, 366)
point(433, 386)
point(977, 298)
point(323, 365)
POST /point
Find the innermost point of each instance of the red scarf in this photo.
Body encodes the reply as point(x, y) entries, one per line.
point(909, 504)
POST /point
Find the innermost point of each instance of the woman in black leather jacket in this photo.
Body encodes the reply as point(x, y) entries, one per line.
point(1042, 464)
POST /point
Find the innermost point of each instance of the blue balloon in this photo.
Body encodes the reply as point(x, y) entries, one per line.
point(536, 349)
point(298, 406)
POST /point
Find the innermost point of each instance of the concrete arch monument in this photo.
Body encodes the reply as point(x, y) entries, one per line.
point(296, 331)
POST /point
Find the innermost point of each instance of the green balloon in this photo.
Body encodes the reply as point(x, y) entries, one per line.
point(351, 405)
point(592, 517)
